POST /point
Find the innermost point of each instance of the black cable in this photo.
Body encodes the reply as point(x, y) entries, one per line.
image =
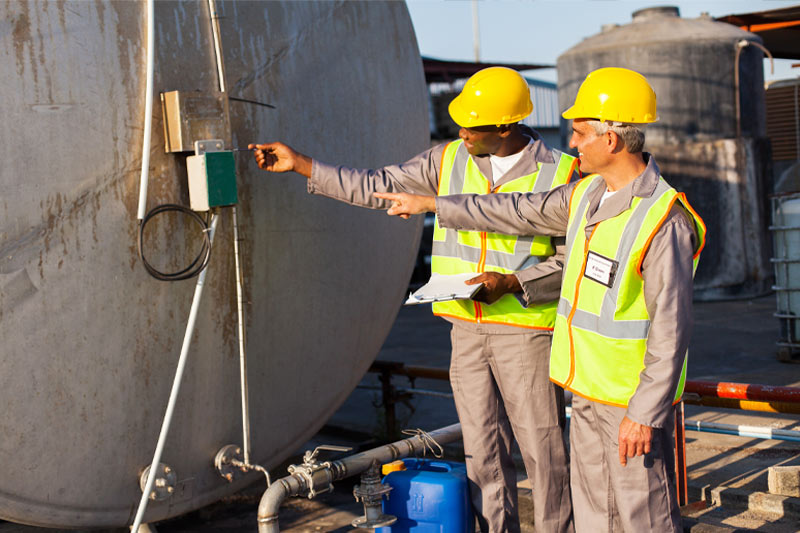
point(199, 263)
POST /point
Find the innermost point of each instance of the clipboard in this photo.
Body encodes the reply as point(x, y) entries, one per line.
point(443, 288)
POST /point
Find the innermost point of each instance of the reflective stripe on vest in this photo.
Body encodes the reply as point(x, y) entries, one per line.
point(457, 252)
point(599, 343)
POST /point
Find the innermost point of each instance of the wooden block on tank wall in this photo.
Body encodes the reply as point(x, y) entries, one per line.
point(191, 116)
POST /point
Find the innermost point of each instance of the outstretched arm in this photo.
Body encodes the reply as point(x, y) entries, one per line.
point(278, 157)
point(507, 213)
point(353, 186)
point(405, 204)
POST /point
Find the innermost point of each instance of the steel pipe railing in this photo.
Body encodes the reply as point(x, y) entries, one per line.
point(743, 391)
point(741, 396)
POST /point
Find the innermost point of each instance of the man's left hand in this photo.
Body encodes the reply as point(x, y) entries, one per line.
point(495, 285)
point(634, 439)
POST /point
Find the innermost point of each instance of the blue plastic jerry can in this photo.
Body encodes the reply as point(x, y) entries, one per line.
point(429, 496)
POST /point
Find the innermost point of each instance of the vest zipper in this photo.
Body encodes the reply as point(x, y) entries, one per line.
point(571, 375)
point(482, 260)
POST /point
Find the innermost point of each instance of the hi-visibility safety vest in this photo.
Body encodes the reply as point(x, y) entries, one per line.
point(600, 337)
point(457, 252)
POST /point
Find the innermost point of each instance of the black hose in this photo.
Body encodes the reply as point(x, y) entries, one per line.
point(199, 263)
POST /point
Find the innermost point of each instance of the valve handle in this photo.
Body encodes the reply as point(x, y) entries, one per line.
point(309, 456)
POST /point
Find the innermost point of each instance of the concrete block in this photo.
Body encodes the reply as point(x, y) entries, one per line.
point(784, 480)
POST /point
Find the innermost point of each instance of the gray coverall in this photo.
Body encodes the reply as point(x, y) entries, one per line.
point(499, 374)
point(607, 496)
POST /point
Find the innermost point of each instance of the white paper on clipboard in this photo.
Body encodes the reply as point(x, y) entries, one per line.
point(441, 288)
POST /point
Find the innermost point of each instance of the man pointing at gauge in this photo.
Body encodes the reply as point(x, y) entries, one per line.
point(501, 339)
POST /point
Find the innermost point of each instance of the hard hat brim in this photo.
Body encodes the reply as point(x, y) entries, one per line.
point(573, 113)
point(460, 115)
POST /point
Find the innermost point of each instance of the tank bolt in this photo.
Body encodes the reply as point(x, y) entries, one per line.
point(161, 482)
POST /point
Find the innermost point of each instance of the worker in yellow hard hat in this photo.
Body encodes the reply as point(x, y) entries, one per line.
point(625, 311)
point(501, 338)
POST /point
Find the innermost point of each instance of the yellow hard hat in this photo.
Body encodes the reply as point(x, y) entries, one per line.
point(615, 94)
point(492, 96)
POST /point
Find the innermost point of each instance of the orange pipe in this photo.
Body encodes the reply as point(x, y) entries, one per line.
point(708, 389)
point(743, 391)
point(744, 405)
point(770, 26)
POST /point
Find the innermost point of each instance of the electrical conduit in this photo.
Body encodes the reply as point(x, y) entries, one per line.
point(201, 278)
point(215, 32)
point(148, 112)
point(176, 385)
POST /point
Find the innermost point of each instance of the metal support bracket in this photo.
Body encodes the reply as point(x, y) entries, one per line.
point(208, 145)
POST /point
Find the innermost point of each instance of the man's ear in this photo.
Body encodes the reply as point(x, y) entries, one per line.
point(614, 142)
point(505, 130)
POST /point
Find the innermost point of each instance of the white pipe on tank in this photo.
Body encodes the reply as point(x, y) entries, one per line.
point(148, 111)
point(212, 12)
point(242, 356)
point(176, 384)
point(744, 43)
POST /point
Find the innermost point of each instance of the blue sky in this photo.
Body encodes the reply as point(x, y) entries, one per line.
point(537, 31)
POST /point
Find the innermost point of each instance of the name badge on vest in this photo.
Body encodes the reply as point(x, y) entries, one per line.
point(600, 269)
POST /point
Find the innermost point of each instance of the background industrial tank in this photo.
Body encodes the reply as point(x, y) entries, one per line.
point(89, 340)
point(691, 64)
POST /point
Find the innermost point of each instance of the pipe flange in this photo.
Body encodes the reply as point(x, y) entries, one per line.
point(164, 483)
point(381, 520)
point(371, 493)
point(224, 459)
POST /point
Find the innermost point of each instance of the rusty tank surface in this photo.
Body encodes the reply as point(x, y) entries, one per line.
point(89, 340)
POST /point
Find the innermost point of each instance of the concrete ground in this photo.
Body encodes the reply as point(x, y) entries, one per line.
point(732, 341)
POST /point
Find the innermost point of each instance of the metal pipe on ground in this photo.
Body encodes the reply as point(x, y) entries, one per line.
point(756, 432)
point(743, 391)
point(742, 405)
point(296, 484)
point(779, 398)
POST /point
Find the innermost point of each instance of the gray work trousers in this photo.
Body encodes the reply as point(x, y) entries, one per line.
point(609, 497)
point(502, 391)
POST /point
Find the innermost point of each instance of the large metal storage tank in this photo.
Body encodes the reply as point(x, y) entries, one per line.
point(89, 340)
point(691, 64)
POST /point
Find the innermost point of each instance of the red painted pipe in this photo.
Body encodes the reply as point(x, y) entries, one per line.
point(714, 389)
point(743, 391)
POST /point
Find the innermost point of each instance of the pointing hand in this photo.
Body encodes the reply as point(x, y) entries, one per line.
point(405, 205)
point(278, 157)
